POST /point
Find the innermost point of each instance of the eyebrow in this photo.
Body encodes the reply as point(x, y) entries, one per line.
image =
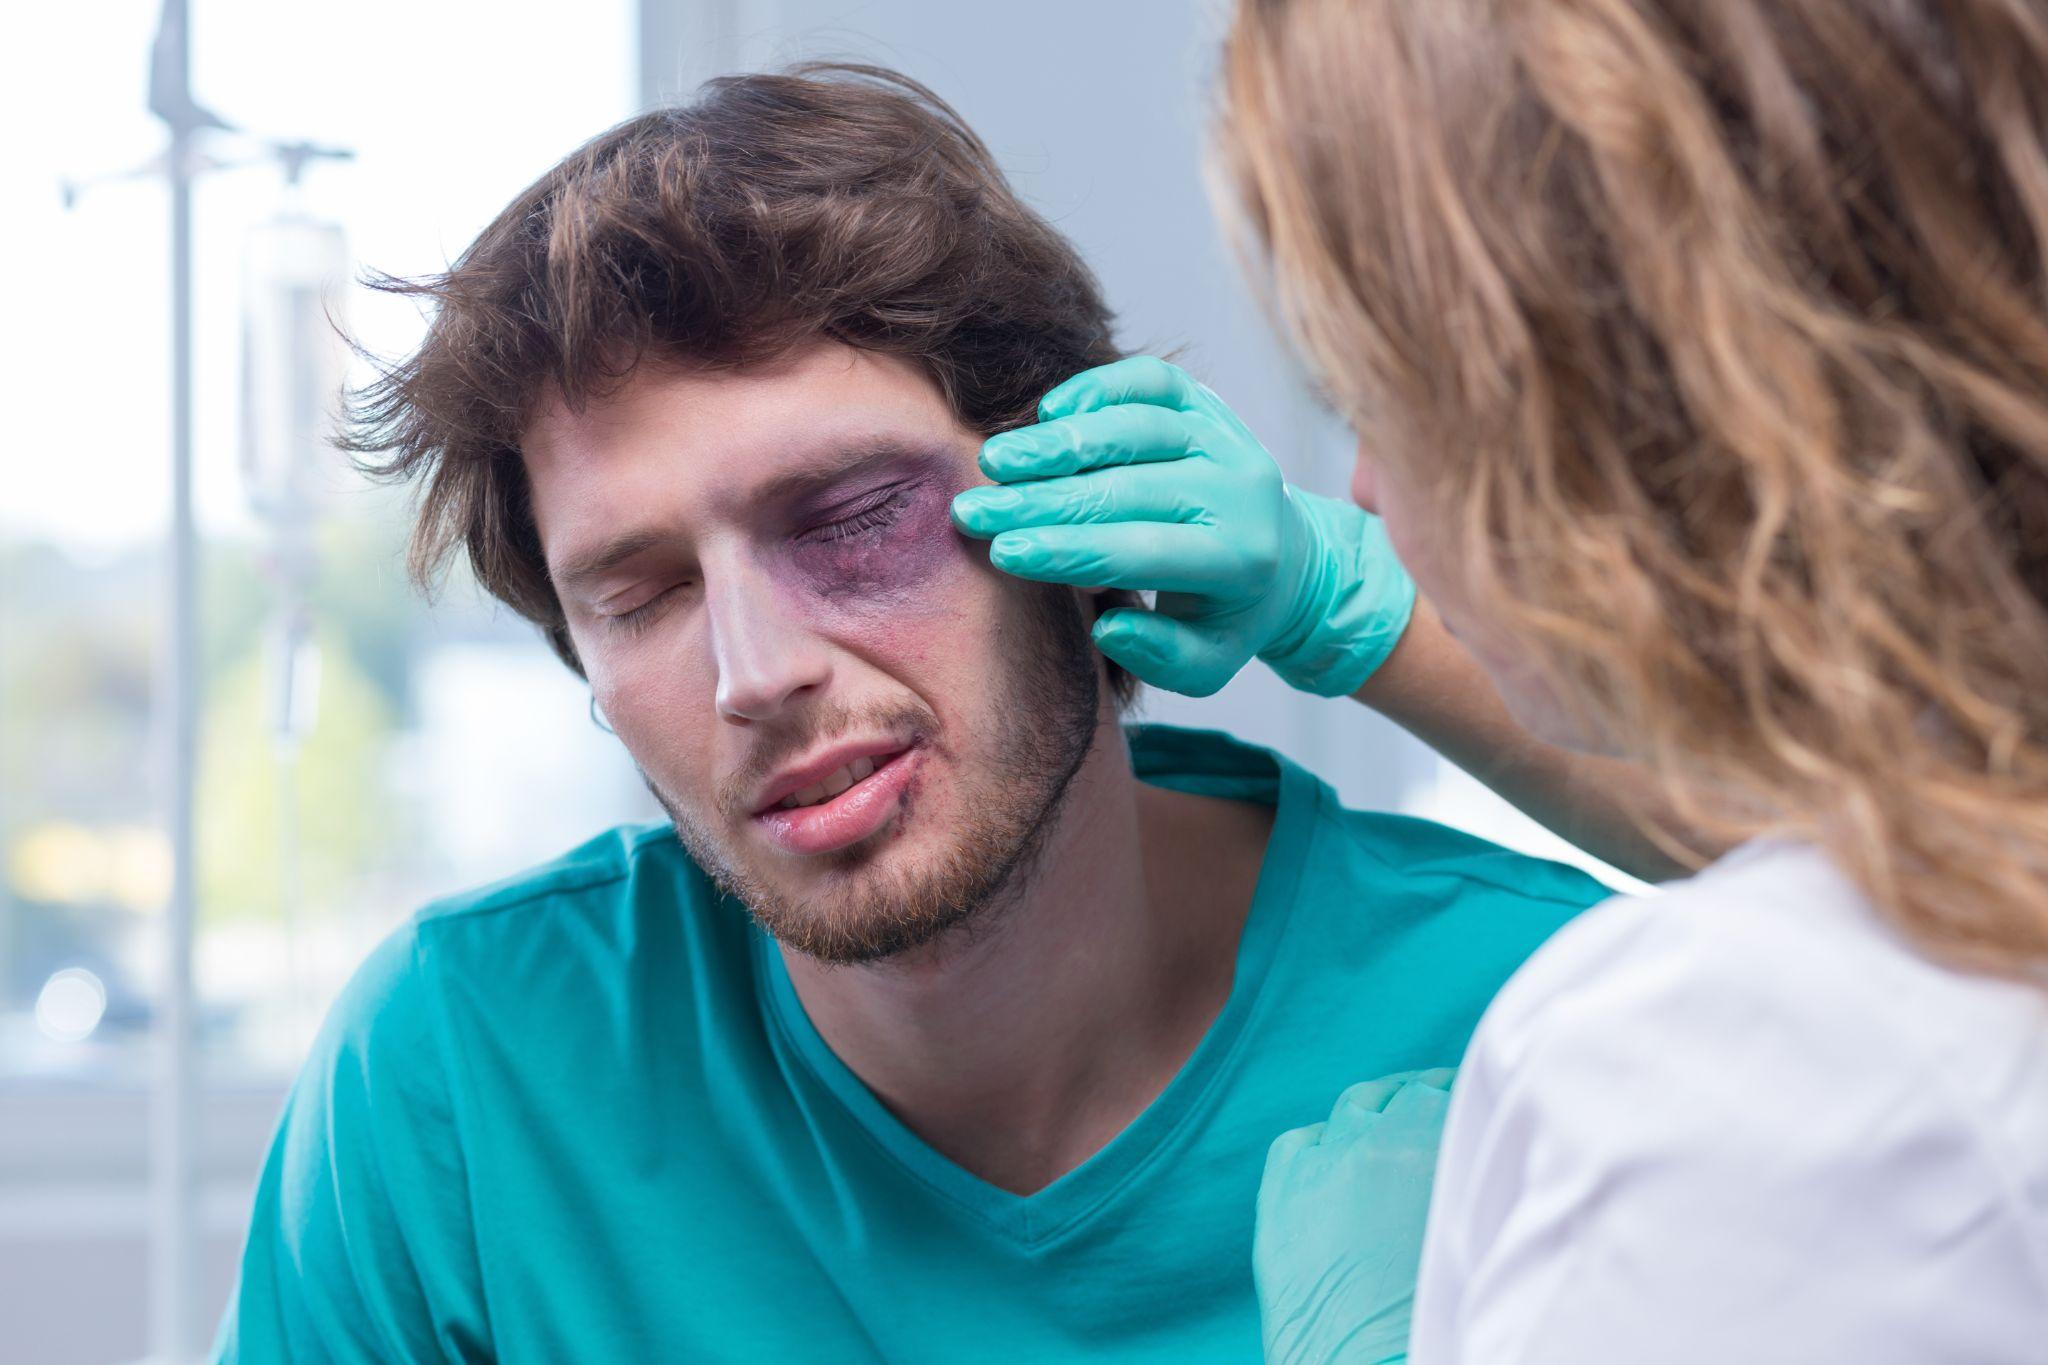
point(605, 558)
point(788, 487)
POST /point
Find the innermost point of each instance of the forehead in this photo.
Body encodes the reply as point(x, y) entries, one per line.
point(697, 446)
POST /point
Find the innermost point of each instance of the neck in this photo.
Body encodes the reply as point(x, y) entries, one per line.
point(1017, 1048)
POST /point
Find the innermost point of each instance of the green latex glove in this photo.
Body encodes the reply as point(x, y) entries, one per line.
point(1341, 1214)
point(1138, 477)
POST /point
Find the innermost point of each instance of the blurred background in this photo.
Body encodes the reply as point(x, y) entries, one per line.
point(235, 748)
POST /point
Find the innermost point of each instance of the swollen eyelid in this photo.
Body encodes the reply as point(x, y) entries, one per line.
point(870, 519)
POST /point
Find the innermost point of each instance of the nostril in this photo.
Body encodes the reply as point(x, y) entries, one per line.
point(764, 654)
point(769, 684)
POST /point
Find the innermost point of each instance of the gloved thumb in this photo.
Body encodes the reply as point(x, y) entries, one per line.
point(1166, 653)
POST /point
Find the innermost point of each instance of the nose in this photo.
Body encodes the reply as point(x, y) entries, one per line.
point(766, 655)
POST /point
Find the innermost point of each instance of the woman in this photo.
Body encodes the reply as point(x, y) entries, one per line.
point(1698, 351)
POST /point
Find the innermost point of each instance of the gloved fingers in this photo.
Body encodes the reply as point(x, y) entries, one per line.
point(1152, 492)
point(1436, 1078)
point(1164, 652)
point(1290, 1145)
point(1420, 1101)
point(1138, 555)
point(1360, 1106)
point(1140, 379)
point(1405, 1098)
point(1134, 433)
point(1136, 379)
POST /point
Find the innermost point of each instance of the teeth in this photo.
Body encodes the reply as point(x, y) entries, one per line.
point(838, 782)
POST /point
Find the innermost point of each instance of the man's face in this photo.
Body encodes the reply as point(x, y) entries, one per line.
point(859, 727)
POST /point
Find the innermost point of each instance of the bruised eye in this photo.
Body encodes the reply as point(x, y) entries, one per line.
point(862, 517)
point(868, 517)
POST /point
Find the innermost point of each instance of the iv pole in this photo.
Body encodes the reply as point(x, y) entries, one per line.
point(173, 1212)
point(173, 1247)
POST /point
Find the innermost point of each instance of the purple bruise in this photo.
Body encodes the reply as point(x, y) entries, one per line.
point(882, 567)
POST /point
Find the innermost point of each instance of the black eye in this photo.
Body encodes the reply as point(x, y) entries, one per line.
point(871, 517)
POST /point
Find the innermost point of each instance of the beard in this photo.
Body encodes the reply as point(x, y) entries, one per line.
point(1041, 723)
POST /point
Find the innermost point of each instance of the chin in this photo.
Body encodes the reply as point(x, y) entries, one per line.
point(882, 899)
point(870, 917)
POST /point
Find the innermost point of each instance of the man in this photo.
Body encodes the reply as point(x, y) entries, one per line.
point(958, 1020)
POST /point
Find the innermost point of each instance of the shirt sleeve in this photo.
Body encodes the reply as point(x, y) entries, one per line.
point(1671, 1142)
point(360, 1246)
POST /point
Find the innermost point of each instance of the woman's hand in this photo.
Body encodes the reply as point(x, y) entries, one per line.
point(1342, 1210)
point(1138, 477)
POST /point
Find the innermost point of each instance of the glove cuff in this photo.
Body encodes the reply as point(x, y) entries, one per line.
point(1352, 602)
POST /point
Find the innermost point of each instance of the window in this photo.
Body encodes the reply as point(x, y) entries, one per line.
point(350, 767)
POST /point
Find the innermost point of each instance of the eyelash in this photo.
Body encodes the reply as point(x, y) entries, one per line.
point(634, 622)
point(868, 519)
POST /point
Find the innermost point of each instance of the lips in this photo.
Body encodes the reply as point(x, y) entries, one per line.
point(806, 781)
point(814, 818)
point(836, 782)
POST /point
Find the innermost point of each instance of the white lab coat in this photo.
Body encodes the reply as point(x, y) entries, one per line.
point(1743, 1123)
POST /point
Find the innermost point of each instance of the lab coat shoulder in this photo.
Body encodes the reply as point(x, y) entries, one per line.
point(1742, 1120)
point(360, 1244)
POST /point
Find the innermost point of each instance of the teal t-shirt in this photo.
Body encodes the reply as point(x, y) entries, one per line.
point(581, 1116)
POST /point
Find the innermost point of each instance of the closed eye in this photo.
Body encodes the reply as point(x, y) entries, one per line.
point(879, 512)
point(864, 517)
point(632, 623)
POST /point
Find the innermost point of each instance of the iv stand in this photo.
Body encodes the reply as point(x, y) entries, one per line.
point(173, 1211)
point(173, 1249)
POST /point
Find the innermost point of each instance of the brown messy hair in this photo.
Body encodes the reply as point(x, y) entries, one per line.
point(837, 202)
point(1715, 333)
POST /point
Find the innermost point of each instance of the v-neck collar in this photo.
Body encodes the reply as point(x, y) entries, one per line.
point(1188, 760)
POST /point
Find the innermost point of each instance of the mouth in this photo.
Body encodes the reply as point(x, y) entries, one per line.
point(832, 810)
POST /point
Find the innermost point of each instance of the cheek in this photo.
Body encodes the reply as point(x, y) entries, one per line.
point(1410, 528)
point(1364, 490)
point(641, 693)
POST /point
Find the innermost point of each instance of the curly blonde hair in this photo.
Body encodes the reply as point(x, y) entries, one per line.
point(1715, 332)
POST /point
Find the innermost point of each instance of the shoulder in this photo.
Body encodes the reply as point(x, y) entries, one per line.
point(598, 867)
point(597, 900)
point(1738, 1086)
point(519, 966)
point(1772, 957)
point(1425, 853)
point(1422, 923)
point(1374, 851)
point(535, 931)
